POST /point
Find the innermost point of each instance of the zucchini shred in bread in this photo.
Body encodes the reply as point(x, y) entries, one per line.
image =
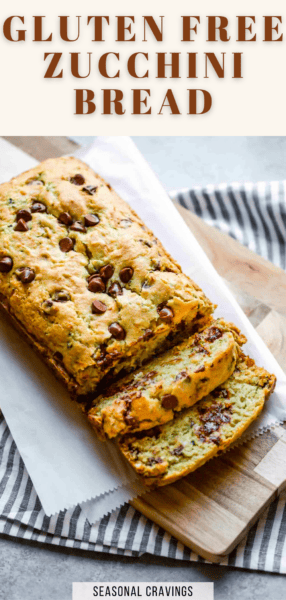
point(167, 453)
point(84, 279)
point(169, 383)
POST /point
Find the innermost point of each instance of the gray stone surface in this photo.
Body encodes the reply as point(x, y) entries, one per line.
point(187, 161)
point(184, 162)
point(29, 571)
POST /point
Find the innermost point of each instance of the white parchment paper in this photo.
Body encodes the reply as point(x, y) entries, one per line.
point(66, 463)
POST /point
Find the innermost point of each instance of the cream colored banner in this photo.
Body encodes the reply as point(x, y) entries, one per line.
point(228, 63)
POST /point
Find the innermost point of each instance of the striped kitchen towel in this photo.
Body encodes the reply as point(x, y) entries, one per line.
point(256, 216)
point(124, 531)
point(253, 214)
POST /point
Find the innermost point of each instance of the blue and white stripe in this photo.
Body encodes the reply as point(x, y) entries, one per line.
point(124, 531)
point(253, 214)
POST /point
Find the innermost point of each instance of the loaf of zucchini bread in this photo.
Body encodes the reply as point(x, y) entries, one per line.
point(168, 383)
point(164, 454)
point(85, 280)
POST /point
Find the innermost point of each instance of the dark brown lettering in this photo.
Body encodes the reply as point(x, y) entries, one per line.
point(84, 104)
point(38, 30)
point(75, 65)
point(116, 101)
point(64, 29)
point(192, 70)
point(220, 27)
point(8, 33)
point(102, 65)
point(193, 102)
point(122, 28)
point(269, 28)
point(174, 64)
point(158, 33)
point(237, 65)
point(49, 74)
point(170, 101)
point(98, 23)
point(138, 101)
point(131, 65)
point(212, 59)
point(187, 36)
point(242, 29)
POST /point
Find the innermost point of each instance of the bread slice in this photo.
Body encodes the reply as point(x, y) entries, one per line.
point(169, 383)
point(164, 454)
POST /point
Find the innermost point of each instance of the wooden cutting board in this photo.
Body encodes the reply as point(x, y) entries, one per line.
point(211, 510)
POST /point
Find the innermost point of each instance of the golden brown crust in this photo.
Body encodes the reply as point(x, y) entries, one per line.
point(169, 383)
point(85, 332)
point(170, 452)
point(45, 354)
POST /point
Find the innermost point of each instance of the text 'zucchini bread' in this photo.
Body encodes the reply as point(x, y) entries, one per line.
point(168, 383)
point(167, 453)
point(85, 280)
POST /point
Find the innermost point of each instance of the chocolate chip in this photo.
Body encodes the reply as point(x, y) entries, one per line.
point(155, 432)
point(21, 226)
point(177, 451)
point(90, 189)
point(126, 274)
point(66, 244)
point(65, 218)
point(61, 296)
point(98, 308)
point(131, 421)
point(154, 461)
point(117, 331)
point(220, 393)
point(24, 215)
point(58, 356)
point(106, 272)
point(215, 439)
point(106, 359)
point(115, 289)
point(146, 378)
point(214, 333)
point(47, 306)
point(169, 401)
point(200, 369)
point(148, 334)
point(200, 351)
point(182, 375)
point(25, 274)
point(165, 313)
point(78, 226)
point(77, 179)
point(6, 264)
point(91, 220)
point(38, 207)
point(96, 284)
point(145, 243)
